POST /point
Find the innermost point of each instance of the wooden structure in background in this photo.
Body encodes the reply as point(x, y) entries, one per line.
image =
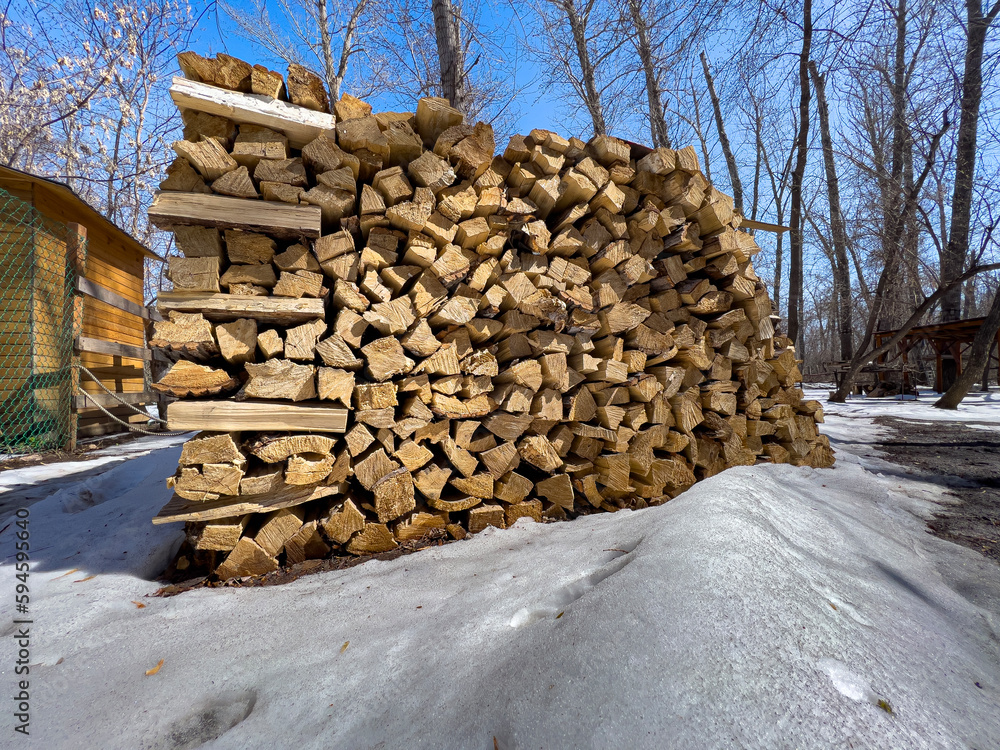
point(947, 340)
point(108, 312)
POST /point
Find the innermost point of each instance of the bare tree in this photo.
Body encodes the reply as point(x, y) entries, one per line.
point(651, 79)
point(42, 86)
point(798, 174)
point(862, 355)
point(447, 34)
point(578, 55)
point(84, 101)
point(841, 270)
point(977, 26)
point(727, 151)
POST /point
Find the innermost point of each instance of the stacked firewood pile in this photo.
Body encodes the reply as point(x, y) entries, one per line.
point(386, 331)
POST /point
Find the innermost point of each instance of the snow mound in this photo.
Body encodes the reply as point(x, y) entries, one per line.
point(766, 607)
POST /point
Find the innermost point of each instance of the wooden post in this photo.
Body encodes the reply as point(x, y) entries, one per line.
point(998, 357)
point(904, 379)
point(938, 374)
point(76, 260)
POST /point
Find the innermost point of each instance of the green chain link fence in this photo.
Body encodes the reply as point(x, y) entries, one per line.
point(38, 324)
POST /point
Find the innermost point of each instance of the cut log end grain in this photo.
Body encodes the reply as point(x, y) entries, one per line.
point(409, 335)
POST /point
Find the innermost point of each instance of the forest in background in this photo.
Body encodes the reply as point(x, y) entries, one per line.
point(868, 127)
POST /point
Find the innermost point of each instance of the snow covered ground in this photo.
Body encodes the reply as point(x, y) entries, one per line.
point(982, 409)
point(767, 607)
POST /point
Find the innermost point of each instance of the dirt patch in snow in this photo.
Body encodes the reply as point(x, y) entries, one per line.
point(964, 459)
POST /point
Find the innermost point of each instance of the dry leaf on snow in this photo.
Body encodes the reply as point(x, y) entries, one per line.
point(154, 670)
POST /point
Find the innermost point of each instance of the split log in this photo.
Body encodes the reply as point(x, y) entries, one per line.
point(185, 378)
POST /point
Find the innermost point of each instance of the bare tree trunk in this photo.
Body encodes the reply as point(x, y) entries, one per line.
point(978, 357)
point(965, 158)
point(591, 95)
point(727, 151)
point(346, 50)
point(841, 269)
point(757, 126)
point(326, 52)
point(969, 300)
point(779, 208)
point(449, 45)
point(798, 174)
point(657, 119)
point(985, 381)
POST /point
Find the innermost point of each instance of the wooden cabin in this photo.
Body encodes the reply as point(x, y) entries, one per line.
point(71, 285)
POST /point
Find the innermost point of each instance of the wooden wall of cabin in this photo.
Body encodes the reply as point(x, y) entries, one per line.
point(16, 244)
point(117, 267)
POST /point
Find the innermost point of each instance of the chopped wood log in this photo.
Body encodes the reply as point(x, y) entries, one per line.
point(236, 184)
point(261, 275)
point(279, 191)
point(208, 448)
point(385, 358)
point(300, 341)
point(249, 247)
point(186, 378)
point(306, 544)
point(279, 527)
point(334, 384)
point(558, 490)
point(194, 274)
point(418, 526)
point(274, 450)
point(199, 125)
point(237, 340)
point(372, 539)
point(306, 89)
point(198, 242)
point(224, 70)
point(207, 483)
point(299, 284)
point(343, 522)
point(304, 471)
point(246, 559)
point(267, 82)
point(531, 509)
point(394, 495)
point(183, 178)
point(262, 480)
point(220, 536)
point(187, 334)
point(486, 515)
point(207, 156)
point(434, 116)
point(280, 379)
point(270, 344)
